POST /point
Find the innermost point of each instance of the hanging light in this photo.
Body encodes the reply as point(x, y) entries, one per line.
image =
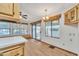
point(45, 17)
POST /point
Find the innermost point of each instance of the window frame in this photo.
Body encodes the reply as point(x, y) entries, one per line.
point(11, 29)
point(58, 29)
point(45, 29)
point(35, 24)
point(51, 29)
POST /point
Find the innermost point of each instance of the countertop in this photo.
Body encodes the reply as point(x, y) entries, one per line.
point(9, 41)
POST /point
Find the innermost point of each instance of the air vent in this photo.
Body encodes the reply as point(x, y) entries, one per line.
point(51, 46)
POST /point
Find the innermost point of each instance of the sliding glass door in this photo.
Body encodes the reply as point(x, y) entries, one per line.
point(36, 31)
point(33, 31)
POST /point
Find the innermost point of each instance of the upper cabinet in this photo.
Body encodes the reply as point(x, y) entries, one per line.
point(72, 15)
point(9, 11)
point(16, 11)
point(6, 9)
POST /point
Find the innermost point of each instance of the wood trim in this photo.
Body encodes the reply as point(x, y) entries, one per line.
point(13, 22)
point(39, 21)
point(60, 48)
point(52, 18)
point(3, 20)
point(7, 13)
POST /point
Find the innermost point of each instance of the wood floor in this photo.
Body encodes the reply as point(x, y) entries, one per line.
point(37, 48)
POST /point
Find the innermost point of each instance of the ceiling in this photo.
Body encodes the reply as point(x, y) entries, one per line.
point(35, 11)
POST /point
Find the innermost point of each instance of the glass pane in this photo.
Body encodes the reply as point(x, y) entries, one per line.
point(4, 32)
point(55, 29)
point(33, 31)
point(4, 25)
point(38, 31)
point(4, 28)
point(23, 31)
point(48, 28)
point(16, 31)
point(19, 29)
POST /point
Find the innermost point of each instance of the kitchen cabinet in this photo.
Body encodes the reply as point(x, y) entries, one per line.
point(71, 16)
point(6, 9)
point(9, 11)
point(16, 12)
point(78, 12)
point(67, 18)
point(17, 50)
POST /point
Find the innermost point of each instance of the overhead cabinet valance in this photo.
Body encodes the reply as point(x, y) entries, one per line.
point(52, 18)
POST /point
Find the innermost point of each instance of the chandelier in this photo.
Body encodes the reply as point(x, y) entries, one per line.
point(45, 17)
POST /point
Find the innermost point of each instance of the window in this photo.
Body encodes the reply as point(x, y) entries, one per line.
point(52, 28)
point(23, 29)
point(4, 29)
point(9, 29)
point(15, 29)
point(19, 29)
point(55, 29)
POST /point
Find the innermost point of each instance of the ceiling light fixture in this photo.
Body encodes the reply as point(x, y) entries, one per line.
point(45, 17)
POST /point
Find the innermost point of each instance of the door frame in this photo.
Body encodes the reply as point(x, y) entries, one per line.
point(35, 32)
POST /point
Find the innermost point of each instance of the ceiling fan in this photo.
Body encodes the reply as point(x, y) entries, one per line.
point(23, 15)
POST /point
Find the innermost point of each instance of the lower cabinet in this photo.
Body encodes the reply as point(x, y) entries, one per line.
point(13, 51)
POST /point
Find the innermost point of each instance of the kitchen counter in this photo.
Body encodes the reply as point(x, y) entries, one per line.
point(10, 41)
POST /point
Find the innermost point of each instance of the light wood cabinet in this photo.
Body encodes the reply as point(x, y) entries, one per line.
point(16, 11)
point(9, 11)
point(13, 51)
point(67, 17)
point(71, 16)
point(78, 12)
point(6, 9)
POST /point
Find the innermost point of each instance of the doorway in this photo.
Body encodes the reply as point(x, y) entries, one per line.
point(36, 31)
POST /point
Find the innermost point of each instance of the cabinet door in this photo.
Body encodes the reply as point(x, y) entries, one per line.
point(6, 9)
point(15, 52)
point(78, 12)
point(16, 11)
point(73, 15)
point(67, 17)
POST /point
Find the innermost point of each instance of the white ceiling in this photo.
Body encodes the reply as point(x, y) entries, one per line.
point(35, 11)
